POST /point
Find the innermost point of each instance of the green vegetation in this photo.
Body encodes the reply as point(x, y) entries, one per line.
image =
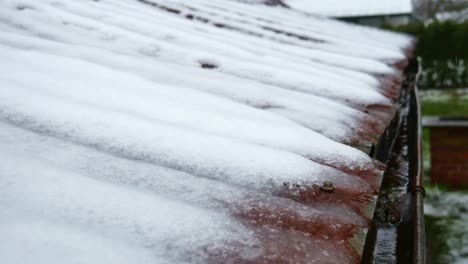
point(446, 229)
point(452, 102)
point(443, 238)
point(442, 48)
point(437, 40)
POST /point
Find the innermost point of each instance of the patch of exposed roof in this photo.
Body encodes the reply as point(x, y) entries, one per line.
point(196, 131)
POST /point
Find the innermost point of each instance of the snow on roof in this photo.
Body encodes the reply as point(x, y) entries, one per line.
point(188, 131)
point(352, 8)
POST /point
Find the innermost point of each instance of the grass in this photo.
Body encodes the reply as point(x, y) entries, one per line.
point(444, 102)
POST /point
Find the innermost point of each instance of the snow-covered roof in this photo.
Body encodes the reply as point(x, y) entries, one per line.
point(352, 8)
point(199, 131)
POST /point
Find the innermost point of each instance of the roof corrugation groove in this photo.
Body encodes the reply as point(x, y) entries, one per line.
point(197, 131)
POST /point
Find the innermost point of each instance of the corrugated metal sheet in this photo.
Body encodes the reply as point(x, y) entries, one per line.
point(189, 132)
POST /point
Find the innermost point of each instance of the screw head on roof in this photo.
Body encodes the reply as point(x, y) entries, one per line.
point(327, 186)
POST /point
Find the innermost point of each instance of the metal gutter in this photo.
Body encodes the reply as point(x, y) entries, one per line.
point(397, 231)
point(417, 175)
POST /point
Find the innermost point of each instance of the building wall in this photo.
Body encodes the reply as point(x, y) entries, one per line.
point(449, 156)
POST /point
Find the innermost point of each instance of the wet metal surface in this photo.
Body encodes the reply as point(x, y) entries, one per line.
point(397, 235)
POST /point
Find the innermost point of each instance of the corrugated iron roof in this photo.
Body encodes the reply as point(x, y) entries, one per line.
point(189, 131)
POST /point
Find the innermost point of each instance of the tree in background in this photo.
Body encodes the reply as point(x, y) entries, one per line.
point(429, 10)
point(442, 33)
point(442, 45)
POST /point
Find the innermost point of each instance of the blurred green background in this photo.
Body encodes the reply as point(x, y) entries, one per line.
point(446, 210)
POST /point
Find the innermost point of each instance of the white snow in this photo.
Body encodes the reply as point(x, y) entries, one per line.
point(350, 8)
point(184, 131)
point(111, 212)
